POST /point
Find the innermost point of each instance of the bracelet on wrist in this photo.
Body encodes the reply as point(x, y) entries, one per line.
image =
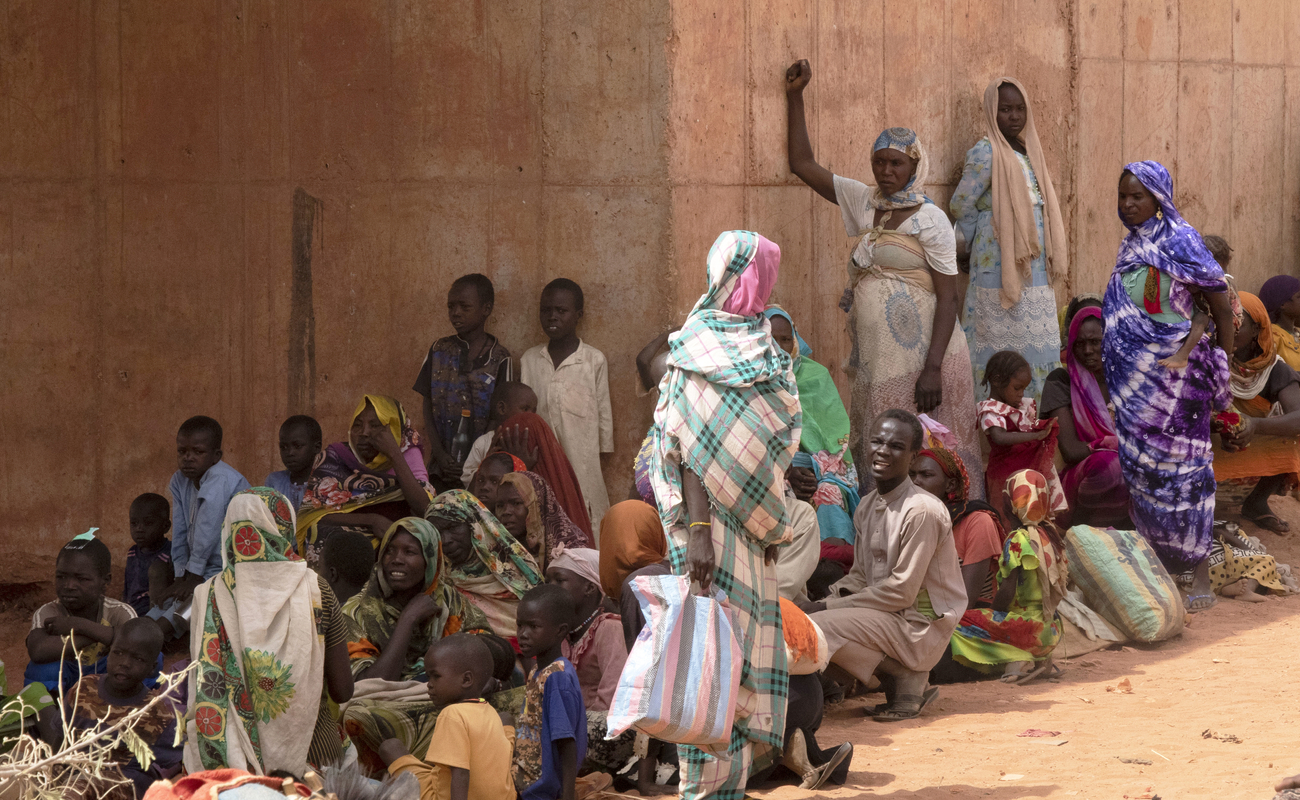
point(695, 524)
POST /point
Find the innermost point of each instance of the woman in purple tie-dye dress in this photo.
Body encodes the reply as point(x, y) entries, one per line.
point(1163, 415)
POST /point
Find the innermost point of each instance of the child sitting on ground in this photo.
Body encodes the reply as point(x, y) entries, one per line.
point(81, 571)
point(469, 754)
point(1018, 439)
point(300, 445)
point(572, 385)
point(1201, 314)
point(461, 372)
point(201, 489)
point(149, 561)
point(346, 561)
point(102, 700)
point(510, 398)
point(551, 732)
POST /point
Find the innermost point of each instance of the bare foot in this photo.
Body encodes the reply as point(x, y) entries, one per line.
point(1175, 361)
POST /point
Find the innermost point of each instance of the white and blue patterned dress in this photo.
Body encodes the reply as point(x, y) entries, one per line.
point(1030, 327)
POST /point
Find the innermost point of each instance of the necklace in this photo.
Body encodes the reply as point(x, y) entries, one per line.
point(581, 629)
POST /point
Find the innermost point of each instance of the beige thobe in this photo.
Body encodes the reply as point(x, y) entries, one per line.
point(904, 547)
point(797, 560)
point(574, 400)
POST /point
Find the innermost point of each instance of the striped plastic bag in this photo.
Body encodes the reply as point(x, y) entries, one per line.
point(683, 673)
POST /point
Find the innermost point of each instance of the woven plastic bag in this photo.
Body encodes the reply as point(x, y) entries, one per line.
point(683, 673)
point(1123, 580)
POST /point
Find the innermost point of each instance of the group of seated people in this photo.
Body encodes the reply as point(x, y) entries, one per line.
point(475, 637)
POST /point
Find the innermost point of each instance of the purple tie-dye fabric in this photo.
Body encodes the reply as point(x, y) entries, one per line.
point(1162, 416)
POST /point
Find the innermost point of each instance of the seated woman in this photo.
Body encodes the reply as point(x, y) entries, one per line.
point(488, 567)
point(1020, 631)
point(976, 528)
point(532, 514)
point(279, 620)
point(528, 437)
point(1077, 397)
point(408, 603)
point(824, 474)
point(1241, 567)
point(1262, 454)
point(1280, 294)
point(376, 477)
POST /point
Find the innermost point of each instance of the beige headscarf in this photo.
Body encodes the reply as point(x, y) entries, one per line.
point(1013, 211)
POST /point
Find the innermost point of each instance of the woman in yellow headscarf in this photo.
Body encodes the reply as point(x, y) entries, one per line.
point(1262, 454)
point(379, 468)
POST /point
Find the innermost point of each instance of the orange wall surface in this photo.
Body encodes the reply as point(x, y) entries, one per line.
point(254, 208)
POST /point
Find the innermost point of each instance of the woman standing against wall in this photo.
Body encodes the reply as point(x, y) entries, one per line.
point(902, 295)
point(1006, 208)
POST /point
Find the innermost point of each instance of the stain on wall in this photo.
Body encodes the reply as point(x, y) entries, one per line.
point(166, 170)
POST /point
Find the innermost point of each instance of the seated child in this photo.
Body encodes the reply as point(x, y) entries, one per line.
point(201, 489)
point(510, 398)
point(347, 560)
point(572, 385)
point(461, 372)
point(488, 477)
point(300, 444)
point(151, 518)
point(81, 571)
point(551, 732)
point(1018, 439)
point(596, 649)
point(102, 700)
point(469, 754)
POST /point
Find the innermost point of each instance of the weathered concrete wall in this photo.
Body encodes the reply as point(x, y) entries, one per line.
point(253, 208)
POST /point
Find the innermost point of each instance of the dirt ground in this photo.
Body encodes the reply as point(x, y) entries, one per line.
point(1230, 674)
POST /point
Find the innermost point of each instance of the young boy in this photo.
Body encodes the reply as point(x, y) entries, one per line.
point(347, 559)
point(510, 398)
point(81, 571)
point(151, 518)
point(460, 372)
point(595, 644)
point(201, 489)
point(469, 754)
point(102, 700)
point(300, 444)
point(572, 385)
point(551, 733)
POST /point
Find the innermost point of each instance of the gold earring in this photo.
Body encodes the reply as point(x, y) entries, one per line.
point(1159, 214)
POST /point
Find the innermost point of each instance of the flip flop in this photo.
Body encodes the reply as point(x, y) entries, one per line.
point(894, 715)
point(822, 774)
point(1187, 603)
point(1270, 522)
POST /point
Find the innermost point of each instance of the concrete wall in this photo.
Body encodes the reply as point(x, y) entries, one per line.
point(252, 208)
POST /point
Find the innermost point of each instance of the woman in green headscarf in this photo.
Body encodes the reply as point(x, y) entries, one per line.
point(822, 472)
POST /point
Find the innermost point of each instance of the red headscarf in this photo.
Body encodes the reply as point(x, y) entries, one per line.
point(553, 465)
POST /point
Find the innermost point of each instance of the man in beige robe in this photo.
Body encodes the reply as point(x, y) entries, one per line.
point(898, 607)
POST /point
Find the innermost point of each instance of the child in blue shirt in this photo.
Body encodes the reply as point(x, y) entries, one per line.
point(201, 489)
point(551, 731)
point(151, 518)
point(300, 445)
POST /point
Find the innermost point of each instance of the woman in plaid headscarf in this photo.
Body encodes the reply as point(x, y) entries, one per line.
point(726, 428)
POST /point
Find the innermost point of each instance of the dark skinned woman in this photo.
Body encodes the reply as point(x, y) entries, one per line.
point(902, 295)
point(1006, 208)
point(1163, 414)
point(1077, 397)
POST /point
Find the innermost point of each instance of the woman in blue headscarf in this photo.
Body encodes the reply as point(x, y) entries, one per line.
point(902, 295)
point(1162, 414)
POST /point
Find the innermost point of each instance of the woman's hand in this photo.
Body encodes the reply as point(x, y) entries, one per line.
point(809, 607)
point(383, 441)
point(1241, 438)
point(520, 445)
point(929, 390)
point(771, 554)
point(803, 481)
point(798, 76)
point(846, 300)
point(420, 608)
point(699, 556)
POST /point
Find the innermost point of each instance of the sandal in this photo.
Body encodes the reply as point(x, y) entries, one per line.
point(1270, 522)
point(820, 775)
point(1192, 598)
point(896, 714)
point(1047, 669)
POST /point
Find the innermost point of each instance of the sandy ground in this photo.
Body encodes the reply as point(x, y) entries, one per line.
point(1230, 673)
